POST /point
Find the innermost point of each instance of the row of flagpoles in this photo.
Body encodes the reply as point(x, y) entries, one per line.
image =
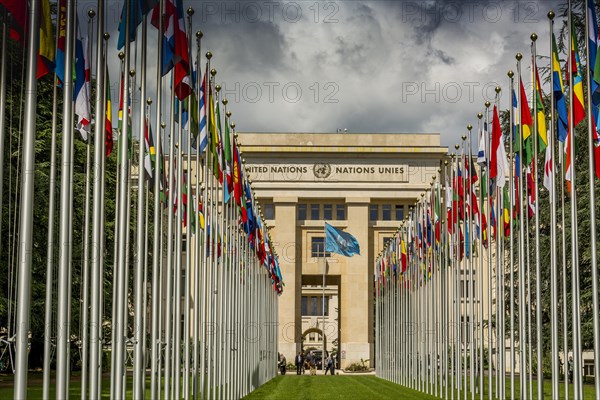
point(457, 290)
point(195, 278)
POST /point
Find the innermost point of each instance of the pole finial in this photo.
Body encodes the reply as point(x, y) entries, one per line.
point(533, 37)
point(199, 34)
point(479, 115)
point(469, 127)
point(208, 55)
point(551, 15)
point(487, 104)
point(511, 73)
point(519, 56)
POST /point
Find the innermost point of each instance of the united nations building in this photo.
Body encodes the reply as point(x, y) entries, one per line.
point(350, 181)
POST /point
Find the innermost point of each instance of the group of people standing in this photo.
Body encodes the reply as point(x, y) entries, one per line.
point(309, 361)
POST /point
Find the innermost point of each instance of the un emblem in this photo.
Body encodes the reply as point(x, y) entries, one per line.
point(322, 171)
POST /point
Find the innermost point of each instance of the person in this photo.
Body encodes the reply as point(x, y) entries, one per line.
point(570, 366)
point(282, 364)
point(329, 366)
point(299, 362)
point(312, 363)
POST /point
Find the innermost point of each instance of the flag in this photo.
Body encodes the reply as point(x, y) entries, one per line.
point(548, 171)
point(108, 138)
point(150, 156)
point(530, 191)
point(18, 11)
point(137, 10)
point(577, 81)
point(559, 95)
point(175, 45)
point(215, 145)
point(46, 49)
point(227, 158)
point(403, 256)
point(568, 165)
point(62, 41)
point(498, 161)
point(481, 157)
point(593, 49)
point(337, 241)
point(82, 85)
point(506, 212)
point(202, 116)
point(541, 114)
point(525, 114)
point(122, 95)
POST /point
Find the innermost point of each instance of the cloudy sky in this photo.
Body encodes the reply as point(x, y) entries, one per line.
point(365, 66)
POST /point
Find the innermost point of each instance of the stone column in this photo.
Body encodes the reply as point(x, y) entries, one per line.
point(356, 290)
point(285, 237)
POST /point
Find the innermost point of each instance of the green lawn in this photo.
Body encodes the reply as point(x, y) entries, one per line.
point(333, 387)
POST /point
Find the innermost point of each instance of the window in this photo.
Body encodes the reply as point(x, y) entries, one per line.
point(399, 212)
point(326, 306)
point(313, 305)
point(301, 212)
point(314, 212)
point(304, 305)
point(340, 211)
point(269, 211)
point(318, 247)
point(373, 212)
point(386, 212)
point(327, 212)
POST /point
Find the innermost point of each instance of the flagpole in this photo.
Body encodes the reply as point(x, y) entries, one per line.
point(522, 312)
point(553, 255)
point(512, 234)
point(157, 214)
point(66, 197)
point(538, 272)
point(323, 300)
point(489, 255)
point(139, 362)
point(27, 195)
point(198, 250)
point(169, 266)
point(574, 232)
point(3, 67)
point(51, 211)
point(592, 199)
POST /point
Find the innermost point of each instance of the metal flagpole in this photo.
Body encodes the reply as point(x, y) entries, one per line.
point(574, 232)
point(176, 373)
point(479, 274)
point(97, 280)
point(538, 272)
point(471, 287)
point(188, 230)
point(553, 255)
point(66, 196)
point(3, 68)
point(118, 367)
point(51, 211)
point(169, 265)
point(157, 232)
point(489, 256)
point(139, 362)
point(84, 312)
point(27, 194)
point(592, 199)
point(324, 261)
point(197, 249)
point(512, 235)
point(522, 366)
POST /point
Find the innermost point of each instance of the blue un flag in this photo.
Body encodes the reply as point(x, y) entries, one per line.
point(340, 242)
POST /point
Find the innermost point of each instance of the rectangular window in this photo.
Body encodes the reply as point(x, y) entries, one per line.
point(313, 306)
point(386, 212)
point(269, 211)
point(327, 212)
point(373, 212)
point(301, 212)
point(304, 306)
point(314, 212)
point(326, 306)
point(399, 212)
point(318, 247)
point(340, 211)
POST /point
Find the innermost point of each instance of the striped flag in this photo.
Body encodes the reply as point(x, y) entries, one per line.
point(150, 156)
point(540, 114)
point(108, 139)
point(46, 49)
point(498, 160)
point(559, 95)
point(481, 156)
point(202, 116)
point(577, 80)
